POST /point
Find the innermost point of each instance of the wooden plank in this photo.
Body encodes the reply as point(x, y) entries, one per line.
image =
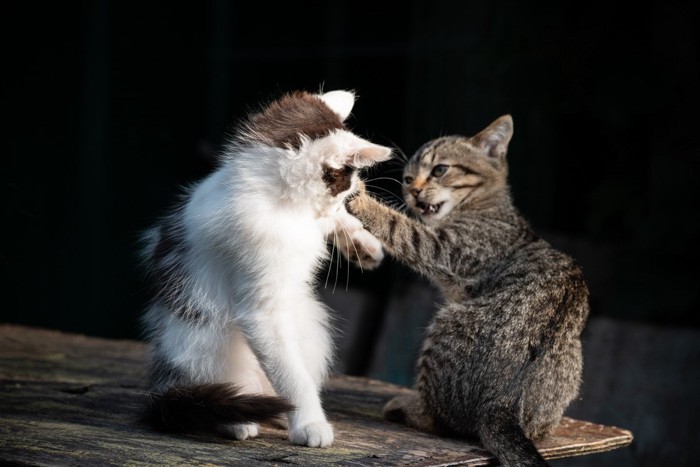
point(71, 399)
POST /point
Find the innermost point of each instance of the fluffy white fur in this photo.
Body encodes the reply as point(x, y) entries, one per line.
point(256, 232)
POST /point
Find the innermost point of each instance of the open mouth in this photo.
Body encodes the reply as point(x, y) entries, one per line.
point(428, 208)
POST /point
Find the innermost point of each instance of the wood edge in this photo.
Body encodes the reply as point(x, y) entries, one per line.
point(582, 449)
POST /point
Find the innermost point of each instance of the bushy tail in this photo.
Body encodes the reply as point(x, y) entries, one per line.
point(500, 433)
point(204, 407)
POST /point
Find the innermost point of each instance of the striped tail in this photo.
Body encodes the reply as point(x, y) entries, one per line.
point(500, 433)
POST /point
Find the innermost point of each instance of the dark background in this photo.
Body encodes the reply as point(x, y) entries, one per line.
point(110, 107)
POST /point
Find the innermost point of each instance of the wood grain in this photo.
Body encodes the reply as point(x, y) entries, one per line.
point(72, 399)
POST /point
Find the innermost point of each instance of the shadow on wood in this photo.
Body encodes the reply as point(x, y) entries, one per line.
point(71, 399)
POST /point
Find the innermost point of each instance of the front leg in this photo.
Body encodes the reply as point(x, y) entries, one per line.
point(414, 244)
point(355, 243)
point(273, 335)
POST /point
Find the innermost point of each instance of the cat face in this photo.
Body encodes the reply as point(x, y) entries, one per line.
point(457, 172)
point(319, 156)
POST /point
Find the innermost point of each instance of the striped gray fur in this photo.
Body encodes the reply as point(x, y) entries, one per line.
point(502, 357)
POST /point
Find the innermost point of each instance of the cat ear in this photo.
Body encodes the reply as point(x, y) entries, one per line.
point(370, 154)
point(494, 139)
point(340, 102)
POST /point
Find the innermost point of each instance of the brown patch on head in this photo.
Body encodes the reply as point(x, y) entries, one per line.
point(337, 180)
point(283, 122)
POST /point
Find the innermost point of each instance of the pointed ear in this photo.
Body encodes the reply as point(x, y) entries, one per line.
point(494, 139)
point(340, 102)
point(370, 154)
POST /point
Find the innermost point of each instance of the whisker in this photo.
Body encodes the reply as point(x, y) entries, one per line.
point(330, 260)
point(394, 205)
point(399, 162)
point(384, 178)
point(398, 151)
point(396, 170)
point(347, 239)
point(347, 275)
point(388, 191)
point(389, 201)
point(337, 264)
point(402, 155)
point(347, 236)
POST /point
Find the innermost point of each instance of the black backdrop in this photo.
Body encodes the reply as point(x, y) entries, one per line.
point(109, 107)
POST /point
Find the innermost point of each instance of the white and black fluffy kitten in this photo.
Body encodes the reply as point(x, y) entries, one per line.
point(237, 333)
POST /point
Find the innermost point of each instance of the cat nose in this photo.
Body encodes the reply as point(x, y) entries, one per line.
point(415, 191)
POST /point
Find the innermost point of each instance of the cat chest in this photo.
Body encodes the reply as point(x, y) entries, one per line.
point(290, 243)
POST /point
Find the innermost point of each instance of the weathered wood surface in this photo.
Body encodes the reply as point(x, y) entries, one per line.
point(70, 399)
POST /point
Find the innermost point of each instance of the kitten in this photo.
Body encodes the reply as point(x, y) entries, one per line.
point(235, 322)
point(502, 357)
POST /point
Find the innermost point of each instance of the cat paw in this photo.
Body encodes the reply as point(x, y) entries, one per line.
point(395, 410)
point(315, 435)
point(240, 431)
point(407, 409)
point(354, 200)
point(360, 187)
point(366, 250)
point(352, 204)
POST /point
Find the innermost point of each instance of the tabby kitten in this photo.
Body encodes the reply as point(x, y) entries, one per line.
point(235, 321)
point(502, 357)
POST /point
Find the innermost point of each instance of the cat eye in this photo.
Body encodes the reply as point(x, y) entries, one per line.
point(407, 180)
point(439, 170)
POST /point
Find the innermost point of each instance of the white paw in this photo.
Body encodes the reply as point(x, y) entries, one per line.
point(315, 435)
point(240, 431)
point(366, 250)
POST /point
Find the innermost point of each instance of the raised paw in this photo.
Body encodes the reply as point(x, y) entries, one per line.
point(355, 199)
point(240, 431)
point(316, 435)
point(363, 249)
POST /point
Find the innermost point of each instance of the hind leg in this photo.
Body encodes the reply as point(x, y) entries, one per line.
point(239, 431)
point(184, 353)
point(408, 409)
point(554, 384)
point(245, 373)
point(187, 354)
